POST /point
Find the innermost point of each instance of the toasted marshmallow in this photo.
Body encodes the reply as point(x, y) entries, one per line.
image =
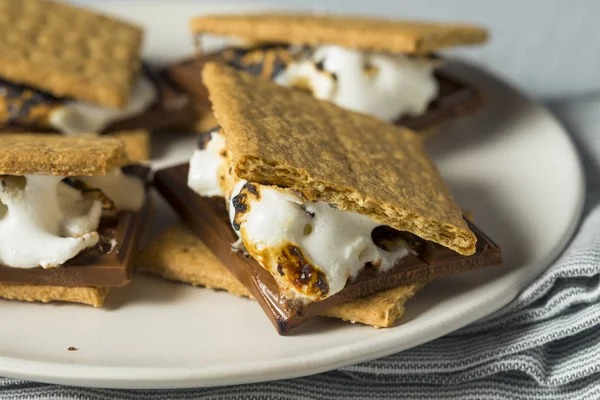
point(45, 222)
point(81, 215)
point(384, 85)
point(310, 247)
point(126, 192)
point(75, 117)
point(206, 164)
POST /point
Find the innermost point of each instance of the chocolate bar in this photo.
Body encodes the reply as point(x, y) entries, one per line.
point(173, 109)
point(100, 266)
point(208, 218)
point(455, 97)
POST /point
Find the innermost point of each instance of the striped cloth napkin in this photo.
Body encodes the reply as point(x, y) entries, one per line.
point(544, 345)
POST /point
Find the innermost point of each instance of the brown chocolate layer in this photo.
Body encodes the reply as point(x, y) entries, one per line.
point(455, 98)
point(208, 218)
point(101, 265)
point(173, 109)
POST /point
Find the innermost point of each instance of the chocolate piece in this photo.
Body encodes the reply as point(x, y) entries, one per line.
point(27, 109)
point(173, 109)
point(97, 266)
point(24, 129)
point(455, 98)
point(208, 218)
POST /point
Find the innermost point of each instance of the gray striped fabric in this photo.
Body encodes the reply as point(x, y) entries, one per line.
point(544, 345)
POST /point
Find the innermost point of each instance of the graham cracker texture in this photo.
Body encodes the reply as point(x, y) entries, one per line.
point(380, 310)
point(178, 255)
point(353, 161)
point(93, 296)
point(25, 153)
point(68, 51)
point(347, 31)
point(137, 143)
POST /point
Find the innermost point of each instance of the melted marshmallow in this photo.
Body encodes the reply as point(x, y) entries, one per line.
point(81, 216)
point(43, 222)
point(384, 85)
point(203, 177)
point(77, 117)
point(126, 192)
point(338, 242)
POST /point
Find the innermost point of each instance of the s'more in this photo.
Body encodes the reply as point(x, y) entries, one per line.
point(311, 206)
point(71, 210)
point(390, 69)
point(70, 70)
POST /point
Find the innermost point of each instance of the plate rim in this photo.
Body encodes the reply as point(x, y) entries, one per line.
point(266, 370)
point(389, 342)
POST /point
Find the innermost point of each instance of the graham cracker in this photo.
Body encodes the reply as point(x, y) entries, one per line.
point(178, 255)
point(29, 153)
point(69, 51)
point(347, 31)
point(137, 143)
point(380, 310)
point(93, 296)
point(353, 161)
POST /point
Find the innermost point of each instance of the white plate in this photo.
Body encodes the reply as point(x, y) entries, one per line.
point(513, 165)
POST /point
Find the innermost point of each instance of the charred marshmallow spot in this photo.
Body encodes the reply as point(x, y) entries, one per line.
point(267, 60)
point(239, 209)
point(370, 69)
point(389, 239)
point(300, 272)
point(320, 66)
point(252, 189)
point(206, 164)
point(310, 248)
point(241, 204)
point(25, 105)
point(205, 137)
point(384, 85)
point(92, 192)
